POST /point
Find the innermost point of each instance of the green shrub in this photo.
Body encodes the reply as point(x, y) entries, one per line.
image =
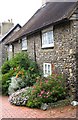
point(47, 90)
point(23, 68)
point(28, 71)
point(30, 78)
point(20, 59)
point(23, 79)
point(0, 86)
point(5, 68)
point(16, 84)
point(6, 79)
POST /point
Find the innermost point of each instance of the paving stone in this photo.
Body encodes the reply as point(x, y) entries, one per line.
point(10, 111)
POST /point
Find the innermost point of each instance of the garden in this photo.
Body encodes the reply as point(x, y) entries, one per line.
point(25, 85)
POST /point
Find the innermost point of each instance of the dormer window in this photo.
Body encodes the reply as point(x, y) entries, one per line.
point(24, 43)
point(47, 39)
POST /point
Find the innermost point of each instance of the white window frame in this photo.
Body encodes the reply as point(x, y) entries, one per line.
point(10, 51)
point(47, 71)
point(46, 40)
point(10, 48)
point(24, 43)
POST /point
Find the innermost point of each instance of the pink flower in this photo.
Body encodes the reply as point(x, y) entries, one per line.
point(46, 81)
point(46, 96)
point(40, 95)
point(42, 91)
point(47, 92)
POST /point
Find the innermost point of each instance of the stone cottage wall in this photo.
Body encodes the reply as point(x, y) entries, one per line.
point(62, 56)
point(4, 52)
point(76, 27)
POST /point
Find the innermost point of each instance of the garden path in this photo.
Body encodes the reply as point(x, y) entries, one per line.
point(10, 111)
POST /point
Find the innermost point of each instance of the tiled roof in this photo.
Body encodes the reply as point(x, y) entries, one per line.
point(51, 13)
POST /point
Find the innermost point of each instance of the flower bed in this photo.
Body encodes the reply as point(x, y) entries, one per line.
point(47, 90)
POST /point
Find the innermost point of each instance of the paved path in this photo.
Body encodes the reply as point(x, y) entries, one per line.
point(10, 111)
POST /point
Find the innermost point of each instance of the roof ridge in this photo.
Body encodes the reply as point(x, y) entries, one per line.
point(48, 15)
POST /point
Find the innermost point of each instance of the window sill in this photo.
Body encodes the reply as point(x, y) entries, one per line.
point(47, 47)
point(45, 75)
point(24, 48)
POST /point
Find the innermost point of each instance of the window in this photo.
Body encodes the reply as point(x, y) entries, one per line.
point(47, 39)
point(10, 51)
point(10, 48)
point(24, 43)
point(47, 69)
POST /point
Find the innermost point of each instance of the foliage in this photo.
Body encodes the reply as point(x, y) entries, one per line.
point(20, 97)
point(5, 68)
point(22, 80)
point(16, 84)
point(24, 69)
point(6, 79)
point(20, 59)
point(46, 90)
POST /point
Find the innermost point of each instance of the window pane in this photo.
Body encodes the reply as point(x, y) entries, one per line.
point(47, 39)
point(49, 69)
point(45, 68)
point(44, 39)
point(24, 43)
point(50, 37)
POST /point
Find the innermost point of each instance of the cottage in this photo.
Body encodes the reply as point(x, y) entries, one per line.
point(51, 39)
point(5, 37)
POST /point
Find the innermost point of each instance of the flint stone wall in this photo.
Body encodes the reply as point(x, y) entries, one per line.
point(62, 55)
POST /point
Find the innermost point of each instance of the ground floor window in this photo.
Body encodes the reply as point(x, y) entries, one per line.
point(47, 69)
point(24, 43)
point(10, 51)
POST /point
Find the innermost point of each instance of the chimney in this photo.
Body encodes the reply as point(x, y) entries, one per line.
point(6, 26)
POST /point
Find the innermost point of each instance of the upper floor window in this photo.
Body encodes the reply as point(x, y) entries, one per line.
point(47, 69)
point(47, 39)
point(24, 43)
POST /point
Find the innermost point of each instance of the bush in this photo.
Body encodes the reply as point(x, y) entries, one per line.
point(20, 97)
point(16, 84)
point(6, 79)
point(22, 80)
point(24, 69)
point(6, 67)
point(20, 59)
point(47, 90)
